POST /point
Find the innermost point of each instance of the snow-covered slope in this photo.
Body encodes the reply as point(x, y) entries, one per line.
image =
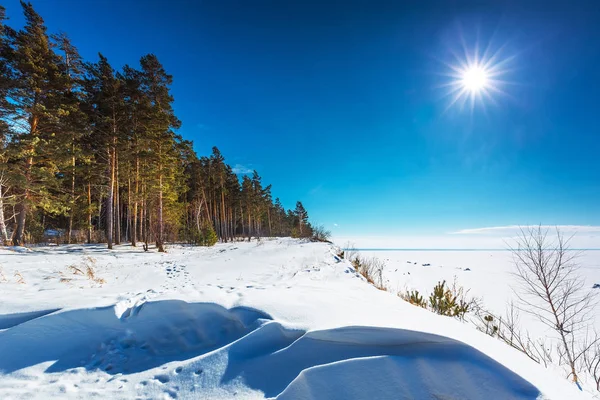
point(280, 319)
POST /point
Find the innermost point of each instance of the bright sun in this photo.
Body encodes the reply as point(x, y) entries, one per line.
point(476, 76)
point(475, 79)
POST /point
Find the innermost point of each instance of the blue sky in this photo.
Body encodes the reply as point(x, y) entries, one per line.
point(339, 105)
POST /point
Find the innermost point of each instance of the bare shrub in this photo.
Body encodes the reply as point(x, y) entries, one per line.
point(371, 269)
point(590, 361)
point(2, 277)
point(552, 290)
point(320, 234)
point(350, 251)
point(508, 329)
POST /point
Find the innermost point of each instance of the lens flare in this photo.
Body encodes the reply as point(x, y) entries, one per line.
point(474, 78)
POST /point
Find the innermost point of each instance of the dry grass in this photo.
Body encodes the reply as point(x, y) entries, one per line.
point(370, 268)
point(75, 270)
point(2, 277)
point(88, 265)
point(19, 278)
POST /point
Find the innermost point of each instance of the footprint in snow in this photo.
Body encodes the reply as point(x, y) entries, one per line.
point(162, 378)
point(171, 393)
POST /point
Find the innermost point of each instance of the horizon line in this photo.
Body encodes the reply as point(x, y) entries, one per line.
point(448, 249)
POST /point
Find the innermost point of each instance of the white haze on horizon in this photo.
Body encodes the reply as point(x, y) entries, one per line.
point(500, 238)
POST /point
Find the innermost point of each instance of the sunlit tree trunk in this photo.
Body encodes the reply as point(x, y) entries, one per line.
point(89, 213)
point(117, 202)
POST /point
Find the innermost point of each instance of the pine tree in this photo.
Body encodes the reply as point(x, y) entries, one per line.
point(5, 75)
point(106, 112)
point(72, 124)
point(36, 91)
point(208, 236)
point(159, 122)
point(301, 222)
point(5, 111)
point(136, 104)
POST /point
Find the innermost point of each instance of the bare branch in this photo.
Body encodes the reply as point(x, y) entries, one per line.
point(551, 289)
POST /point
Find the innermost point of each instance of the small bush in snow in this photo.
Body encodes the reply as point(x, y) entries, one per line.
point(445, 301)
point(207, 236)
point(320, 234)
point(414, 298)
point(451, 301)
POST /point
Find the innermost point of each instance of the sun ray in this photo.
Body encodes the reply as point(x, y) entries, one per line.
point(476, 75)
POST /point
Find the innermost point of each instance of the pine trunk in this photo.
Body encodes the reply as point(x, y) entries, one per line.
point(128, 226)
point(159, 234)
point(135, 202)
point(117, 202)
point(110, 199)
point(89, 213)
point(22, 206)
point(141, 224)
point(72, 211)
point(269, 217)
point(223, 223)
point(2, 221)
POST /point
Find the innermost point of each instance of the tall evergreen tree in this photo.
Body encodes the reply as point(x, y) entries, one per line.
point(106, 111)
point(301, 219)
point(159, 124)
point(5, 111)
point(136, 105)
point(72, 125)
point(35, 92)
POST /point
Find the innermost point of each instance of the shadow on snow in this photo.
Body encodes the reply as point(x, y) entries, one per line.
point(349, 362)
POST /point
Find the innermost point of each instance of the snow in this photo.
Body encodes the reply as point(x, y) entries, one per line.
point(275, 319)
point(487, 274)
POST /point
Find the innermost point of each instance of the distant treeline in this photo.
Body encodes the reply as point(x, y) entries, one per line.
point(92, 154)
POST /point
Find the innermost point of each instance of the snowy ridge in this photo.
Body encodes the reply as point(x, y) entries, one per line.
point(282, 319)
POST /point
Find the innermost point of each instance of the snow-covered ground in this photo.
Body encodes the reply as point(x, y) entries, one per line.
point(487, 274)
point(279, 318)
